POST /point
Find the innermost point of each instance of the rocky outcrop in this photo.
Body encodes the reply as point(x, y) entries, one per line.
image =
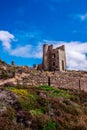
point(6, 98)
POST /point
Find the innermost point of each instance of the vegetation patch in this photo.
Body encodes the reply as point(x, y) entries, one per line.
point(49, 108)
point(50, 126)
point(11, 113)
point(1, 106)
point(46, 88)
point(11, 88)
point(20, 92)
point(36, 112)
point(55, 92)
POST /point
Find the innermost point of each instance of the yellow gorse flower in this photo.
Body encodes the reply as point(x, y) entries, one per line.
point(21, 92)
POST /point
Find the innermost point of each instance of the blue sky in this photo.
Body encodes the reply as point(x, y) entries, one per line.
point(25, 25)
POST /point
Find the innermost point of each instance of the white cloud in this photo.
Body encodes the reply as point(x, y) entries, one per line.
point(21, 51)
point(76, 55)
point(37, 52)
point(6, 38)
point(27, 51)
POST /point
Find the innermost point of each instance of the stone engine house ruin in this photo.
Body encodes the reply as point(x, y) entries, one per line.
point(54, 59)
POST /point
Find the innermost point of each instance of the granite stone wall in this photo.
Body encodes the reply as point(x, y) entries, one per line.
point(68, 80)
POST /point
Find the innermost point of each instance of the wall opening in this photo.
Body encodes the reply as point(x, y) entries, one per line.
point(53, 63)
point(53, 56)
point(62, 64)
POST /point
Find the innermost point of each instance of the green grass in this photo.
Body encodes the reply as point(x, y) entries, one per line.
point(61, 93)
point(46, 88)
point(26, 103)
point(11, 88)
point(55, 92)
point(1, 106)
point(50, 126)
point(36, 112)
point(32, 96)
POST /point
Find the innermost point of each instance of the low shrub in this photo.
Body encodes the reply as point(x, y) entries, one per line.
point(1, 106)
point(36, 112)
point(50, 126)
point(11, 114)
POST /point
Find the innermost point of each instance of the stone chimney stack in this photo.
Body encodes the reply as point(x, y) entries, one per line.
point(45, 56)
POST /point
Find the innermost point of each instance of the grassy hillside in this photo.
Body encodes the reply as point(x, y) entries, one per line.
point(44, 107)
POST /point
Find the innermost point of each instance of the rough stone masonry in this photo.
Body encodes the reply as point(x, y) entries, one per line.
point(53, 59)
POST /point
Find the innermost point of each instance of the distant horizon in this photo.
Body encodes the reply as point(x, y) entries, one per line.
point(26, 25)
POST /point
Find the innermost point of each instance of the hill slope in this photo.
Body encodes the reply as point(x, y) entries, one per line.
point(44, 108)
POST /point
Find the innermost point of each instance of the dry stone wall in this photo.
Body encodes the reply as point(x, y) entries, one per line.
point(69, 80)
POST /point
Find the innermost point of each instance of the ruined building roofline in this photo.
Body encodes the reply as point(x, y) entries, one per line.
point(45, 45)
point(62, 47)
